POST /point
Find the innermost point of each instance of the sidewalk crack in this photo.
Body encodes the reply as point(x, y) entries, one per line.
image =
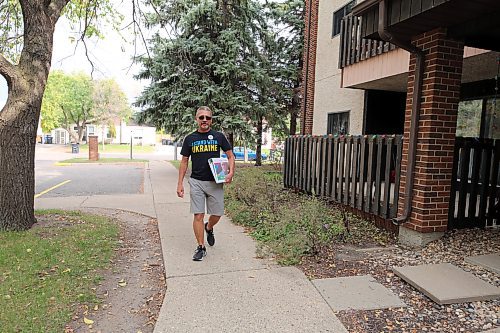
point(214, 273)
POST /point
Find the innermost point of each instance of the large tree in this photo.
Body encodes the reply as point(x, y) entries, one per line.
point(26, 43)
point(211, 55)
point(288, 19)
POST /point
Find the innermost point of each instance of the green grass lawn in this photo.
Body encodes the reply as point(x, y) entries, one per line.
point(103, 160)
point(116, 148)
point(51, 268)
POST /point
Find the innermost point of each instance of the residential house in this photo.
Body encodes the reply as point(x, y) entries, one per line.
point(124, 133)
point(427, 69)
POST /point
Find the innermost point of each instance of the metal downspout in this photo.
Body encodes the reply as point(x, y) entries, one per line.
point(415, 110)
point(306, 78)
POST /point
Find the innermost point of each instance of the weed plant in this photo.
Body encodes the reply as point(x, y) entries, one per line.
point(290, 225)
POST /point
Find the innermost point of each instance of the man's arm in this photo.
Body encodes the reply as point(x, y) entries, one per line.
point(182, 172)
point(231, 160)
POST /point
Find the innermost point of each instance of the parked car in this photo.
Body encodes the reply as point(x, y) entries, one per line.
point(239, 154)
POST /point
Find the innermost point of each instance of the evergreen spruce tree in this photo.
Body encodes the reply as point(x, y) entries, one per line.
point(288, 21)
point(206, 53)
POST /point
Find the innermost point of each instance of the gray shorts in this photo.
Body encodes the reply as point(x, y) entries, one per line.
point(209, 193)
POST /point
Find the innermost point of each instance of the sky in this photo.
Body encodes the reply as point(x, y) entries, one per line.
point(111, 57)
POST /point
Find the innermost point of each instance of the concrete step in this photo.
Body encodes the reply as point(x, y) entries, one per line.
point(447, 284)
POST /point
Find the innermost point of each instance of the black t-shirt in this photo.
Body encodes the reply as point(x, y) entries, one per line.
point(201, 147)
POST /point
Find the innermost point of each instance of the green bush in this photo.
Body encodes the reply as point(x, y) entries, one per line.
point(290, 225)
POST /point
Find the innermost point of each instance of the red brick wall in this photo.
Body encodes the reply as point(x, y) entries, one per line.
point(93, 148)
point(437, 127)
point(308, 71)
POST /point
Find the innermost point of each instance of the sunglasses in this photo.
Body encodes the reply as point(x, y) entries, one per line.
point(205, 117)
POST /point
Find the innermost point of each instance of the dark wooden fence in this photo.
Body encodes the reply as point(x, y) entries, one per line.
point(363, 173)
point(475, 194)
point(354, 48)
point(357, 171)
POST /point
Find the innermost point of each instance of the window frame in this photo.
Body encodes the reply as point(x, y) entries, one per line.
point(344, 11)
point(330, 120)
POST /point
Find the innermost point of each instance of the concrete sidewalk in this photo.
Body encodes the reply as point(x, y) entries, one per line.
point(230, 290)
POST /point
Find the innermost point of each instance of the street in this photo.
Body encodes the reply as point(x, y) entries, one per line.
point(52, 180)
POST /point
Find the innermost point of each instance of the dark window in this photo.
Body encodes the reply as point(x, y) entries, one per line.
point(338, 123)
point(339, 15)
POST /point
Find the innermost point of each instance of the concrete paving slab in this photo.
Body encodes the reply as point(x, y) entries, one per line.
point(60, 203)
point(357, 292)
point(175, 219)
point(232, 252)
point(447, 284)
point(137, 203)
point(275, 300)
point(148, 189)
point(490, 262)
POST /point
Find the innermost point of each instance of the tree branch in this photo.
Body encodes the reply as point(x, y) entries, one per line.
point(7, 70)
point(55, 8)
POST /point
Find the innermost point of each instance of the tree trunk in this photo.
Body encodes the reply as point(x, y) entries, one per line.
point(72, 135)
point(81, 129)
point(294, 108)
point(230, 138)
point(20, 116)
point(18, 125)
point(258, 152)
point(293, 122)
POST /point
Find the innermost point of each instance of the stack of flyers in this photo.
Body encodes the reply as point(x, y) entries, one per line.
point(220, 168)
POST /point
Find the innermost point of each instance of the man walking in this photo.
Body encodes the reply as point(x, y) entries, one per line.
point(202, 145)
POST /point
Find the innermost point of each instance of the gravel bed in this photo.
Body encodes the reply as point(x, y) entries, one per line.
point(421, 313)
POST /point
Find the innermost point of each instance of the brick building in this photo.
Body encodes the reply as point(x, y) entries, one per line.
point(427, 69)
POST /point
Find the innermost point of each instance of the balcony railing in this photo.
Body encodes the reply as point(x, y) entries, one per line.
point(354, 48)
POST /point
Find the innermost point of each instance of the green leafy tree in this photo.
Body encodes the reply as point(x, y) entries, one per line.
point(75, 100)
point(52, 99)
point(77, 105)
point(110, 103)
point(26, 43)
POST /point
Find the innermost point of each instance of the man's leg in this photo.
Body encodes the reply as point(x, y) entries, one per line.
point(215, 207)
point(199, 228)
point(209, 228)
point(212, 221)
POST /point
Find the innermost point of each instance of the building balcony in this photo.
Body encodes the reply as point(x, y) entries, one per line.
point(373, 64)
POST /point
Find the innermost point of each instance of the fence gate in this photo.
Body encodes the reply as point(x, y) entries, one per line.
point(475, 188)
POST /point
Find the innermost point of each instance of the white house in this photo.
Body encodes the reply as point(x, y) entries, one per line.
point(141, 135)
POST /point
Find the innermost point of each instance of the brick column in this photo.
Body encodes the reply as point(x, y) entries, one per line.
point(309, 66)
point(436, 133)
point(93, 148)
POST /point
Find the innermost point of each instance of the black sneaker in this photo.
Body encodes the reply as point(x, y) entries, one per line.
point(199, 253)
point(210, 235)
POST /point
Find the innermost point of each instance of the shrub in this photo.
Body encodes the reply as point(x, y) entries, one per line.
point(290, 225)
